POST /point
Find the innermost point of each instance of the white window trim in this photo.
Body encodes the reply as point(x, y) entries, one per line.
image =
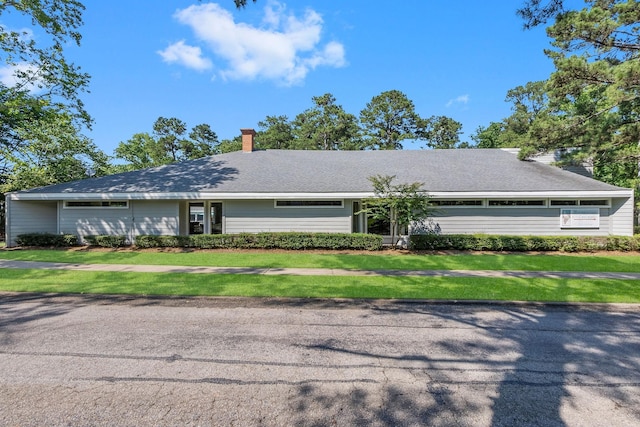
point(579, 203)
point(65, 205)
point(275, 204)
point(544, 204)
point(483, 204)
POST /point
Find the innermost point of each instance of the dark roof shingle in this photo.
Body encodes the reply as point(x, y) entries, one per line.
point(290, 171)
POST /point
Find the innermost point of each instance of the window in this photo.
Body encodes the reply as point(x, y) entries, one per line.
point(594, 202)
point(449, 203)
point(563, 202)
point(117, 204)
point(379, 226)
point(585, 202)
point(196, 218)
point(309, 203)
point(509, 203)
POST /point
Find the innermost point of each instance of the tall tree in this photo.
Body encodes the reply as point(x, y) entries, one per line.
point(388, 119)
point(326, 126)
point(528, 103)
point(276, 132)
point(201, 143)
point(443, 133)
point(40, 67)
point(139, 152)
point(168, 144)
point(55, 153)
point(169, 133)
point(594, 104)
point(45, 85)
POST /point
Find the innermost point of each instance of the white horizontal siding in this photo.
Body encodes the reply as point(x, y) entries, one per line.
point(141, 217)
point(155, 217)
point(252, 216)
point(513, 221)
point(95, 221)
point(30, 217)
point(621, 215)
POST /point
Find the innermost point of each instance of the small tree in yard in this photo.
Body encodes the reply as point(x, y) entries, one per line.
point(400, 204)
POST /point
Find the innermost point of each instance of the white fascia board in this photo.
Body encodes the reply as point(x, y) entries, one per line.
point(185, 196)
point(313, 196)
point(528, 194)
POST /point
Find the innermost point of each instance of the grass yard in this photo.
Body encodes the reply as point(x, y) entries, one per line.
point(467, 288)
point(460, 288)
point(301, 259)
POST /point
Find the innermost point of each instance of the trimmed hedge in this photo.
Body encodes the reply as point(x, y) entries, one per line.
point(107, 241)
point(288, 240)
point(47, 239)
point(485, 242)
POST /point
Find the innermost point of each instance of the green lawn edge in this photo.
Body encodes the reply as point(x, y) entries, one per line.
point(413, 288)
point(301, 259)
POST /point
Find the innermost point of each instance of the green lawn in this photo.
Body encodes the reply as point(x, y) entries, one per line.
point(467, 288)
point(403, 260)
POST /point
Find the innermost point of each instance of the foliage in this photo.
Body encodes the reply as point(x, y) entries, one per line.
point(40, 69)
point(107, 241)
point(241, 3)
point(168, 144)
point(594, 104)
point(55, 153)
point(285, 240)
point(45, 83)
point(483, 242)
point(528, 102)
point(400, 204)
point(388, 119)
point(443, 132)
point(326, 126)
point(276, 133)
point(47, 240)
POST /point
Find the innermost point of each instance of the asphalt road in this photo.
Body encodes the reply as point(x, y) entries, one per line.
point(134, 361)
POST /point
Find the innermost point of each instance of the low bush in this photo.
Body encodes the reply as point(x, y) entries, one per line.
point(107, 241)
point(483, 242)
point(285, 240)
point(47, 240)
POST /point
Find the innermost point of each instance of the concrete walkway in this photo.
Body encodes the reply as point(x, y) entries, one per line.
point(314, 271)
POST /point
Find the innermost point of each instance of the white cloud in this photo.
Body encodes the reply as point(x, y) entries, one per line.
point(9, 77)
point(189, 56)
point(462, 99)
point(285, 49)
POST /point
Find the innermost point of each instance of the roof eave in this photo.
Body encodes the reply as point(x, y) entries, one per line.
point(310, 195)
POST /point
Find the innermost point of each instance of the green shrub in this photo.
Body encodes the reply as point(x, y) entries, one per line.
point(47, 240)
point(284, 240)
point(482, 242)
point(107, 241)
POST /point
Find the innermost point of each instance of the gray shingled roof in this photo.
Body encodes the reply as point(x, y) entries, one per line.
point(284, 171)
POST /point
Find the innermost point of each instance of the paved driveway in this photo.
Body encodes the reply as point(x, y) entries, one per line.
point(127, 361)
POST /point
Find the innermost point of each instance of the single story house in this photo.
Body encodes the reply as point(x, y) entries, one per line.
point(476, 190)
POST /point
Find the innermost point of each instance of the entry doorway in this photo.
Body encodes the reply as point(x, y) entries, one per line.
point(205, 218)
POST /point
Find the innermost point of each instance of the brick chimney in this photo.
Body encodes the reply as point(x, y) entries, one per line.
point(247, 140)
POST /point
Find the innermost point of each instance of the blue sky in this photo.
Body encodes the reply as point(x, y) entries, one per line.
point(210, 63)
